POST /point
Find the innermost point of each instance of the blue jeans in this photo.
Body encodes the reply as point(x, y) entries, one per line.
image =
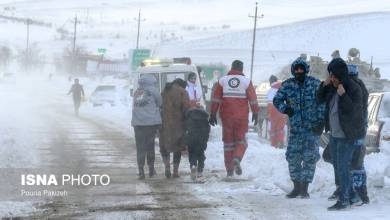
point(342, 151)
point(358, 173)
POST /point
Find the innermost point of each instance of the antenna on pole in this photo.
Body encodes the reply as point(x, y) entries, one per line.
point(255, 18)
point(139, 26)
point(28, 22)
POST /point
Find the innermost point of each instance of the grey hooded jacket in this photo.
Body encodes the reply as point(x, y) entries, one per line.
point(146, 103)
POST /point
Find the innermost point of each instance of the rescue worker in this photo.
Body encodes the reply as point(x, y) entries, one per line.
point(297, 99)
point(77, 94)
point(231, 97)
point(345, 121)
point(194, 92)
point(277, 119)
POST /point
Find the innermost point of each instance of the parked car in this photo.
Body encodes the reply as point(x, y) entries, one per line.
point(378, 114)
point(104, 94)
point(7, 77)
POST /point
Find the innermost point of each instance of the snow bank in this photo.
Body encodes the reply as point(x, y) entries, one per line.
point(265, 170)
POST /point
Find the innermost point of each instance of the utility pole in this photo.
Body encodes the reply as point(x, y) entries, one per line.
point(254, 38)
point(28, 22)
point(74, 66)
point(139, 26)
point(74, 35)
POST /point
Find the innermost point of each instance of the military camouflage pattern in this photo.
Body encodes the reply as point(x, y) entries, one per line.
point(303, 145)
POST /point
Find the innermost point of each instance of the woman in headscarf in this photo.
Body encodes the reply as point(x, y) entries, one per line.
point(175, 104)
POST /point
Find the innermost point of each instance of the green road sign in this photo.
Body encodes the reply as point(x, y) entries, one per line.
point(213, 71)
point(102, 50)
point(137, 56)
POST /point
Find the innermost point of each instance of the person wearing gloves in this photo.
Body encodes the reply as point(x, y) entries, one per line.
point(232, 97)
point(297, 99)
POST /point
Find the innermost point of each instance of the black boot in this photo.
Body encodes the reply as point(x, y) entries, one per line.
point(335, 194)
point(237, 166)
point(339, 206)
point(362, 191)
point(295, 192)
point(152, 171)
point(176, 170)
point(229, 173)
point(304, 187)
point(167, 165)
point(141, 174)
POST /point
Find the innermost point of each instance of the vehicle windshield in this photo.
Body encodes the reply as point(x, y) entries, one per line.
point(155, 75)
point(105, 89)
point(384, 111)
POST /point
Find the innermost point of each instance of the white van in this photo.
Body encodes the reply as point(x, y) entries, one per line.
point(167, 72)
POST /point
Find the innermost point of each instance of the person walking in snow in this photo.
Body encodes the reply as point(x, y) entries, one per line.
point(146, 120)
point(194, 92)
point(346, 122)
point(297, 99)
point(276, 119)
point(175, 104)
point(197, 135)
point(77, 94)
point(232, 97)
point(358, 172)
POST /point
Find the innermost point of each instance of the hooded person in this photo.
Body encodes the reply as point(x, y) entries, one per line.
point(193, 90)
point(358, 172)
point(175, 104)
point(277, 119)
point(344, 118)
point(232, 97)
point(146, 120)
point(197, 135)
point(297, 98)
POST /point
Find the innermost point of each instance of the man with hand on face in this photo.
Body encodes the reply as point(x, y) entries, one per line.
point(345, 121)
point(297, 99)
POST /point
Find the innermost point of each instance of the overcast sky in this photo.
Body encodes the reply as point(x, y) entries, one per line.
point(198, 12)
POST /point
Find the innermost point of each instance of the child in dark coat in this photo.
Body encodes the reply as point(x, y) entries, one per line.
point(197, 135)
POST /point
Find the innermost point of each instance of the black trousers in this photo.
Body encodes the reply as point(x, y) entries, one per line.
point(196, 156)
point(167, 156)
point(76, 105)
point(144, 140)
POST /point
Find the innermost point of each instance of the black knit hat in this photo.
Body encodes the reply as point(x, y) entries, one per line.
point(238, 65)
point(339, 69)
point(191, 76)
point(273, 79)
point(180, 82)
